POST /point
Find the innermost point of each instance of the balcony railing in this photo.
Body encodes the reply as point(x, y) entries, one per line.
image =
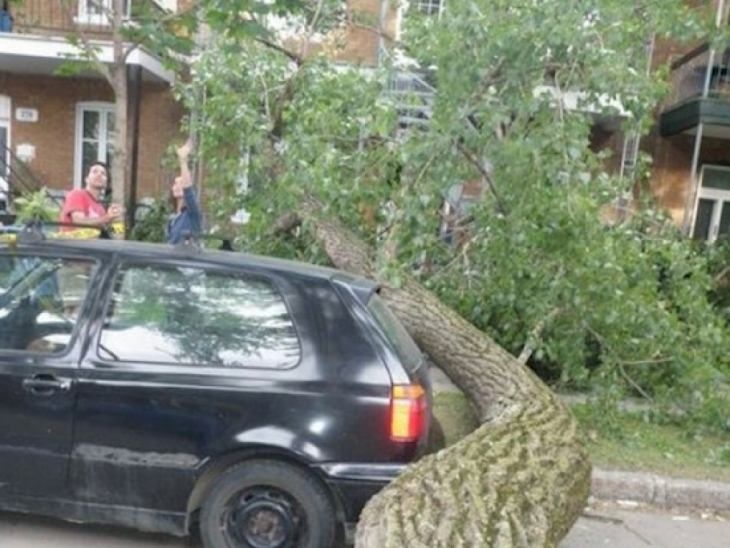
point(63, 17)
point(690, 73)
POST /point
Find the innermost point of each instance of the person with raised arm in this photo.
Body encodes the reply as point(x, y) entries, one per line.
point(187, 219)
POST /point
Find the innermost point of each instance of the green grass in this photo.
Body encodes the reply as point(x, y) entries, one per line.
point(617, 440)
point(455, 417)
point(626, 441)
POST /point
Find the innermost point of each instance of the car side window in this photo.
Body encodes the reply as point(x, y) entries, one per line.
point(40, 299)
point(171, 315)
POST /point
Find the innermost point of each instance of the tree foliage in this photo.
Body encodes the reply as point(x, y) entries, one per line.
point(622, 307)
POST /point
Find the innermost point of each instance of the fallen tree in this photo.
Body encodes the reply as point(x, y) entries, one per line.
point(536, 262)
point(520, 480)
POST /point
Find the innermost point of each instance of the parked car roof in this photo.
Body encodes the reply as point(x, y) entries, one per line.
point(210, 256)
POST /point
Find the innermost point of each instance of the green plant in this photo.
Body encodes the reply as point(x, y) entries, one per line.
point(36, 206)
point(151, 226)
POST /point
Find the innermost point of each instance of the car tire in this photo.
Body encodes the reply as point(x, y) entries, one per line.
point(267, 504)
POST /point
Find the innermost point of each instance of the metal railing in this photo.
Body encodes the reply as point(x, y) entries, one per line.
point(693, 70)
point(63, 17)
point(413, 97)
point(19, 179)
point(53, 18)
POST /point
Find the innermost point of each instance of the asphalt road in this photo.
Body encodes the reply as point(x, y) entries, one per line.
point(602, 527)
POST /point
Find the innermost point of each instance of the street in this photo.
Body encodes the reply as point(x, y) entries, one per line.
point(604, 526)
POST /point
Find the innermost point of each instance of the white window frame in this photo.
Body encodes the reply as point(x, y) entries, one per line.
point(719, 196)
point(6, 112)
point(101, 108)
point(429, 7)
point(84, 17)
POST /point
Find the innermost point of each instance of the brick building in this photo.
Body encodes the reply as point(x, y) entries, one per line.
point(52, 127)
point(691, 175)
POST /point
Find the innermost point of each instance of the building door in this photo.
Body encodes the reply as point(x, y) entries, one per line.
point(94, 138)
point(712, 211)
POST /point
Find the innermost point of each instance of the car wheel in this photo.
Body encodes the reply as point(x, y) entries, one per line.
point(267, 504)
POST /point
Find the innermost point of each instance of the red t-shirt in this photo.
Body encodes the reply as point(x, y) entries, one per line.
point(83, 201)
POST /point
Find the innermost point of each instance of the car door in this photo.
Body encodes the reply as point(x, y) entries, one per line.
point(163, 383)
point(41, 302)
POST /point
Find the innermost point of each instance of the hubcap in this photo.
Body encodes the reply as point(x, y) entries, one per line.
point(261, 519)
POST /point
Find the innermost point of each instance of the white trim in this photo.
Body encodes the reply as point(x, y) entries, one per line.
point(5, 122)
point(6, 112)
point(82, 107)
point(576, 100)
point(719, 196)
point(169, 5)
point(59, 49)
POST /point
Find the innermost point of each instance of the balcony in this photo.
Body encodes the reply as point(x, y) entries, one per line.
point(37, 40)
point(689, 105)
point(60, 18)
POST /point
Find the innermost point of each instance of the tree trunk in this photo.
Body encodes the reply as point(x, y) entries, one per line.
point(119, 164)
point(120, 85)
point(519, 481)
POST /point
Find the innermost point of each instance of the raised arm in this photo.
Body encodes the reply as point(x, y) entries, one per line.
point(183, 154)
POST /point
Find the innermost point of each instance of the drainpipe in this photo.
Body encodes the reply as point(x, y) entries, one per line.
point(690, 202)
point(136, 99)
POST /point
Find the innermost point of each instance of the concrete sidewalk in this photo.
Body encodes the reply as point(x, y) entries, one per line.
point(645, 488)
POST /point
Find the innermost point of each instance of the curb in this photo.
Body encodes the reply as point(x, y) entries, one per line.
point(660, 491)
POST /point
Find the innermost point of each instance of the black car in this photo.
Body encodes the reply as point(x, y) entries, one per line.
point(163, 388)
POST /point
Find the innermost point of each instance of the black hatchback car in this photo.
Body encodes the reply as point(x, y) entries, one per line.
point(159, 388)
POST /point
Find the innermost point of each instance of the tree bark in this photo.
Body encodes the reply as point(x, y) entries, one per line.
point(519, 481)
point(120, 85)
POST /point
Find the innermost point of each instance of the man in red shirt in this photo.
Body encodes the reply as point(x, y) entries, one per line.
point(83, 206)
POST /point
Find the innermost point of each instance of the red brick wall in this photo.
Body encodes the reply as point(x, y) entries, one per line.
point(673, 168)
point(54, 134)
point(671, 173)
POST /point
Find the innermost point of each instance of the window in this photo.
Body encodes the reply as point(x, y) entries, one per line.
point(712, 211)
point(429, 7)
point(40, 299)
point(167, 315)
point(97, 12)
point(95, 126)
point(4, 151)
point(396, 334)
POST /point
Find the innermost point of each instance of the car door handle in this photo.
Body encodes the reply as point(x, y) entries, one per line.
point(46, 384)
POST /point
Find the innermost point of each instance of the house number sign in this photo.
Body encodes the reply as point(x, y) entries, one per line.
point(26, 114)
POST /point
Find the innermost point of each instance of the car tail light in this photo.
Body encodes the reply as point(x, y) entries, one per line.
point(407, 412)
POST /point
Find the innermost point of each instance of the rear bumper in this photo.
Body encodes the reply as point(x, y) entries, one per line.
point(354, 484)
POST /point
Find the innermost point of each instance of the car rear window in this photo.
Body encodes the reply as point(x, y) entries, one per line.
point(393, 330)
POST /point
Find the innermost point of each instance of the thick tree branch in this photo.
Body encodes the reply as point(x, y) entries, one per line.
point(519, 481)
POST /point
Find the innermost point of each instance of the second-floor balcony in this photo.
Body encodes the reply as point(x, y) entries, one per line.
point(62, 17)
point(34, 39)
point(700, 94)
